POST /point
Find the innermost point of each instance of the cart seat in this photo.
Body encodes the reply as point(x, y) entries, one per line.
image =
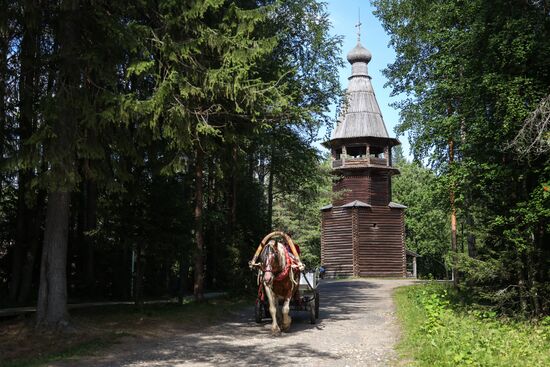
point(311, 278)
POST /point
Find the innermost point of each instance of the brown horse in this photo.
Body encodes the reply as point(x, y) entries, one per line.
point(279, 274)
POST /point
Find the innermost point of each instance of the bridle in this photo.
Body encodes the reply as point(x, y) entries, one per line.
point(267, 266)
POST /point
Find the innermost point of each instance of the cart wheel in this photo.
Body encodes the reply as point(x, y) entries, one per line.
point(312, 306)
point(258, 311)
point(316, 304)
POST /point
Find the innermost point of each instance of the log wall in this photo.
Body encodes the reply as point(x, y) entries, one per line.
point(336, 242)
point(352, 188)
point(380, 188)
point(381, 242)
point(363, 242)
point(374, 189)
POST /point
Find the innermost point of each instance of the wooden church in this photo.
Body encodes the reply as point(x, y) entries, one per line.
point(362, 230)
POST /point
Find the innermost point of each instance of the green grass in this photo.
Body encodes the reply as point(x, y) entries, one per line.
point(437, 331)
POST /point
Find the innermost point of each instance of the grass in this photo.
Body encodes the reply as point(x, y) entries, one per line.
point(97, 328)
point(438, 331)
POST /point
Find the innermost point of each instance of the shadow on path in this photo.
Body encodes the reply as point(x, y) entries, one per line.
point(349, 306)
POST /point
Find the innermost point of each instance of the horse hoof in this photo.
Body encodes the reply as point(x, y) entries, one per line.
point(276, 332)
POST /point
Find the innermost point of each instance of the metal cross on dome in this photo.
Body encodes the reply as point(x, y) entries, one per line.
point(358, 26)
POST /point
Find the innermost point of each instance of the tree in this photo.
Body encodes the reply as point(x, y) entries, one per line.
point(234, 79)
point(52, 297)
point(68, 133)
point(533, 139)
point(426, 226)
point(473, 73)
point(298, 211)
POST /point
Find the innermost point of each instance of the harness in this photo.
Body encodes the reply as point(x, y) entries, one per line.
point(278, 277)
point(285, 271)
point(277, 280)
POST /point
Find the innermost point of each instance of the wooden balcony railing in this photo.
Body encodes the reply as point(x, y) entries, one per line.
point(378, 161)
point(358, 162)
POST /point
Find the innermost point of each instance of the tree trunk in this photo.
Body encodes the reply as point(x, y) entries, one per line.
point(270, 201)
point(4, 43)
point(270, 191)
point(454, 248)
point(537, 276)
point(51, 311)
point(91, 224)
point(233, 209)
point(60, 151)
point(522, 285)
point(16, 262)
point(32, 251)
point(231, 219)
point(198, 288)
point(126, 277)
point(184, 260)
point(183, 272)
point(28, 273)
point(138, 281)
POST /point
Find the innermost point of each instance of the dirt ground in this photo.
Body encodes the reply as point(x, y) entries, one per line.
point(356, 327)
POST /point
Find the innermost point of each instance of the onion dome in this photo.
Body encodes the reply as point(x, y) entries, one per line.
point(359, 54)
point(361, 116)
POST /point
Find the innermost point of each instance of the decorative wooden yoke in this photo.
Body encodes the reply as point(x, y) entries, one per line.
point(253, 264)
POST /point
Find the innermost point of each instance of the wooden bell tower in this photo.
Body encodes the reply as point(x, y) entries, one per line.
point(362, 230)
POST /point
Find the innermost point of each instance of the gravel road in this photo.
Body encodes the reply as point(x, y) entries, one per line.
point(356, 327)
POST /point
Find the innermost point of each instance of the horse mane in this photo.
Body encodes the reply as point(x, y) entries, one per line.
point(265, 252)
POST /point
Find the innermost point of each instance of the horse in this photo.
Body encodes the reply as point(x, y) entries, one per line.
point(279, 274)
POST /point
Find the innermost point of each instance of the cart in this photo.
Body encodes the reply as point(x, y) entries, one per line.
point(306, 298)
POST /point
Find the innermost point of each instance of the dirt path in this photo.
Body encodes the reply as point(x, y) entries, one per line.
point(357, 327)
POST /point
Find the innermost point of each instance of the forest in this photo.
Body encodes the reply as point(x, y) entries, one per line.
point(146, 147)
point(477, 79)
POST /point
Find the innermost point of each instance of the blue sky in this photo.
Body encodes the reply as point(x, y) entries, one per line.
point(344, 14)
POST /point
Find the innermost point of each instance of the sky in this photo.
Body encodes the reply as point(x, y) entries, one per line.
point(344, 15)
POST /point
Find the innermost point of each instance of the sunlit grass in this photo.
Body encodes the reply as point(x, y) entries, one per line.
point(438, 332)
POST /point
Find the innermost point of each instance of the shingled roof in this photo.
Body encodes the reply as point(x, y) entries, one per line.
point(361, 116)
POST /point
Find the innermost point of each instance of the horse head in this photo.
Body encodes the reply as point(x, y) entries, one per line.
point(273, 261)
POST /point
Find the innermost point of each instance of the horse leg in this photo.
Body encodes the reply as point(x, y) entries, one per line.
point(272, 310)
point(286, 317)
